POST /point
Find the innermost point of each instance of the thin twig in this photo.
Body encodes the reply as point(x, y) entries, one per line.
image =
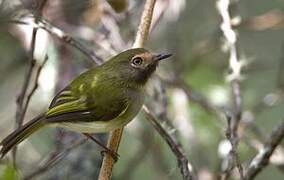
point(54, 159)
point(115, 136)
point(27, 101)
point(184, 165)
point(164, 6)
point(145, 23)
point(261, 160)
point(60, 34)
point(232, 158)
point(69, 40)
point(21, 105)
point(21, 97)
point(35, 86)
point(235, 66)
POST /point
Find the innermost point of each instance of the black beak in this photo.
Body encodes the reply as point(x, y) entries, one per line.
point(161, 56)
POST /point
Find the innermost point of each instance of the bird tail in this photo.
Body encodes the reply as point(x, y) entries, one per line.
point(21, 134)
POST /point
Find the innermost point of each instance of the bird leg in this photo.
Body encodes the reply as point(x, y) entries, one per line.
point(113, 154)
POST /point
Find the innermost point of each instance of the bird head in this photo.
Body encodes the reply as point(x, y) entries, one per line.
point(136, 65)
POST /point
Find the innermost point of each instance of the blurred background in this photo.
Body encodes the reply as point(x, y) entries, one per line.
point(189, 93)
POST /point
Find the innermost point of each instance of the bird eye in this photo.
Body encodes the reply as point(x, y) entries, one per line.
point(137, 61)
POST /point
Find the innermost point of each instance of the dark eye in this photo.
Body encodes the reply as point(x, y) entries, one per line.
point(137, 61)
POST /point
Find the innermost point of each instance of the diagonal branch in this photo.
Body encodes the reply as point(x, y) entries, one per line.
point(261, 160)
point(93, 58)
point(183, 163)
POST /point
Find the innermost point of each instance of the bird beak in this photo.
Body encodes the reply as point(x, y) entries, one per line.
point(161, 57)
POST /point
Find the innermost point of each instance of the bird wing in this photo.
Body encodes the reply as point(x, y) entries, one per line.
point(68, 107)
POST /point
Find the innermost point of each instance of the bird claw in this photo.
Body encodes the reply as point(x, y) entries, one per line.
point(113, 154)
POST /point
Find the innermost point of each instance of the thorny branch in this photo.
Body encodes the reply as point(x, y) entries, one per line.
point(235, 66)
point(23, 102)
point(203, 102)
point(261, 160)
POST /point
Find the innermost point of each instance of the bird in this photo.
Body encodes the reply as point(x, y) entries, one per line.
point(100, 100)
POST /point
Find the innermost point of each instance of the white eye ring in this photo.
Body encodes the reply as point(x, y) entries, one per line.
point(137, 61)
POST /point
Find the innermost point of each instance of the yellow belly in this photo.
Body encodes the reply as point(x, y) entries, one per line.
point(105, 126)
point(95, 127)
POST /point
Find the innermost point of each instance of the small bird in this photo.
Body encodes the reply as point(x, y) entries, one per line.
point(99, 100)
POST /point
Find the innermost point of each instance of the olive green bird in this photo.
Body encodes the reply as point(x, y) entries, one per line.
point(99, 100)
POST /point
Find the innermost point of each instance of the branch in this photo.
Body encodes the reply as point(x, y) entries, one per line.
point(185, 167)
point(21, 103)
point(108, 161)
point(235, 66)
point(232, 157)
point(115, 136)
point(93, 57)
point(261, 160)
point(60, 34)
point(35, 86)
point(145, 23)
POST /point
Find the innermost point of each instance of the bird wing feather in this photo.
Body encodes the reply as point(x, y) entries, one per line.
point(68, 107)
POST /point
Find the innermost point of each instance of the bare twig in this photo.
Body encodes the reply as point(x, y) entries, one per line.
point(60, 34)
point(21, 97)
point(232, 158)
point(261, 160)
point(21, 104)
point(164, 6)
point(185, 167)
point(69, 40)
point(54, 159)
point(35, 86)
point(145, 23)
point(235, 66)
point(115, 136)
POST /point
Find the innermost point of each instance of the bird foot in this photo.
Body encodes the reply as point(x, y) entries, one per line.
point(113, 154)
